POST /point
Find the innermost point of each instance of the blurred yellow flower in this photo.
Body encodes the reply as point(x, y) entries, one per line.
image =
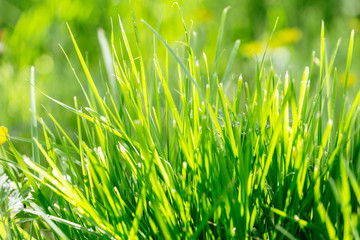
point(351, 79)
point(285, 36)
point(3, 134)
point(204, 15)
point(252, 48)
point(281, 38)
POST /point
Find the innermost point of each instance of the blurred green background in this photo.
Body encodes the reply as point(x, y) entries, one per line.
point(31, 31)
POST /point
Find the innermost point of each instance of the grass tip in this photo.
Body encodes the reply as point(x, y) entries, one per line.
point(121, 25)
point(175, 3)
point(100, 31)
point(227, 9)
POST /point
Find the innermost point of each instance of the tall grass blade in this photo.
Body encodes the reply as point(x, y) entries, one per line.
point(34, 128)
point(108, 61)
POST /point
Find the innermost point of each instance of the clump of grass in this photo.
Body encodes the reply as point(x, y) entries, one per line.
point(153, 163)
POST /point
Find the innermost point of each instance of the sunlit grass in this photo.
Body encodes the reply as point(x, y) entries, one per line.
point(152, 160)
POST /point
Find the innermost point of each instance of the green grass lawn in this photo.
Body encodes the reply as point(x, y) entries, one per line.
point(177, 150)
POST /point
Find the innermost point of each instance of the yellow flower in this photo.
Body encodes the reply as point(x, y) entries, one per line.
point(204, 15)
point(3, 134)
point(351, 79)
point(281, 38)
point(252, 48)
point(286, 36)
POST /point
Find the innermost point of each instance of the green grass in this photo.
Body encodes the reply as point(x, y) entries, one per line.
point(152, 160)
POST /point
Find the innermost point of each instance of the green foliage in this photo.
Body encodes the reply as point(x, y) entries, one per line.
point(31, 31)
point(197, 160)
